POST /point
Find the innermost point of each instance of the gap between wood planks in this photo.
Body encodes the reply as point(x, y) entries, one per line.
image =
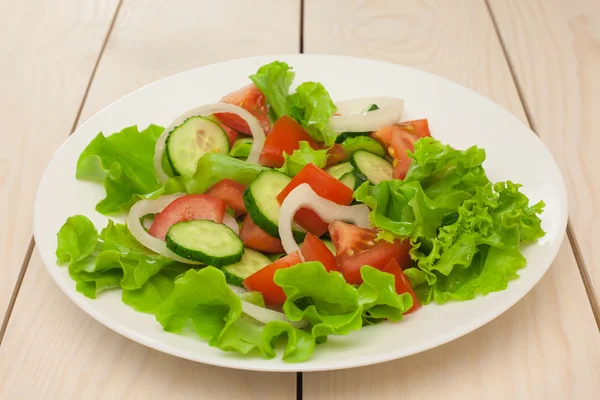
point(29, 253)
point(583, 271)
point(299, 380)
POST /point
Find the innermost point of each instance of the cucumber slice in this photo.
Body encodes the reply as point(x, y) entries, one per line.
point(251, 262)
point(241, 148)
point(260, 199)
point(352, 145)
point(345, 135)
point(337, 171)
point(188, 142)
point(353, 180)
point(375, 168)
point(205, 241)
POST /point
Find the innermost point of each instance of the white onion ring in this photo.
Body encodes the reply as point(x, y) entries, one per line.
point(144, 207)
point(352, 118)
point(304, 196)
point(229, 221)
point(255, 127)
point(262, 314)
point(266, 315)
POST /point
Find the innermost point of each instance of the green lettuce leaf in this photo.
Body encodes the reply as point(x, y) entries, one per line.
point(127, 175)
point(274, 82)
point(312, 106)
point(465, 232)
point(113, 258)
point(299, 158)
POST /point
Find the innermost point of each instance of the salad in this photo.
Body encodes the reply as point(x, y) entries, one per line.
point(276, 218)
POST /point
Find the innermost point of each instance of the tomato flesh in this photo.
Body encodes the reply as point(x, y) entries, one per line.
point(399, 138)
point(335, 155)
point(262, 280)
point(231, 193)
point(284, 138)
point(251, 99)
point(187, 208)
point(325, 186)
point(402, 284)
point(357, 247)
point(255, 238)
point(314, 249)
point(231, 134)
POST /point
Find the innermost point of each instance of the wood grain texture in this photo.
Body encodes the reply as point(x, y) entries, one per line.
point(51, 349)
point(554, 48)
point(545, 347)
point(48, 52)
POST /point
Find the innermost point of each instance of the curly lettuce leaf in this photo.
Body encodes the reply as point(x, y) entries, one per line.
point(465, 232)
point(124, 162)
point(274, 81)
point(113, 258)
point(312, 107)
point(203, 299)
point(299, 158)
point(333, 307)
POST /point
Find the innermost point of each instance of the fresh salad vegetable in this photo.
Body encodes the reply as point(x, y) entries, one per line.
point(229, 234)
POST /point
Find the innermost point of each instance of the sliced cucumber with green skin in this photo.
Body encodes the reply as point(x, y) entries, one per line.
point(366, 143)
point(188, 142)
point(241, 148)
point(260, 199)
point(353, 180)
point(345, 135)
point(337, 171)
point(375, 168)
point(205, 241)
point(252, 261)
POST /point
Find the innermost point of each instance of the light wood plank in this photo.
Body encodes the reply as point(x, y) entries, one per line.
point(554, 47)
point(48, 52)
point(52, 349)
point(546, 346)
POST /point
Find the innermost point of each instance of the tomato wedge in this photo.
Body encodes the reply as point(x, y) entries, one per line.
point(314, 249)
point(255, 238)
point(262, 280)
point(357, 247)
point(187, 208)
point(335, 155)
point(402, 283)
point(231, 193)
point(253, 100)
point(325, 186)
point(231, 134)
point(284, 138)
point(399, 138)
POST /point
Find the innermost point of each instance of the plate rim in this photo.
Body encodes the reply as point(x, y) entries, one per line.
point(80, 301)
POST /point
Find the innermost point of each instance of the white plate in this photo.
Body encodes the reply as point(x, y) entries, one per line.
point(457, 116)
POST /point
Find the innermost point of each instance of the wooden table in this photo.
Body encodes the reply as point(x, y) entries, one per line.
point(64, 61)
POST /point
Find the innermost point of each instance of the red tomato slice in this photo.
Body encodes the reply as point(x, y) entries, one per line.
point(335, 155)
point(401, 142)
point(284, 138)
point(262, 280)
point(315, 250)
point(255, 238)
point(350, 239)
point(231, 193)
point(325, 186)
point(402, 283)
point(357, 247)
point(231, 134)
point(418, 128)
point(187, 208)
point(252, 99)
